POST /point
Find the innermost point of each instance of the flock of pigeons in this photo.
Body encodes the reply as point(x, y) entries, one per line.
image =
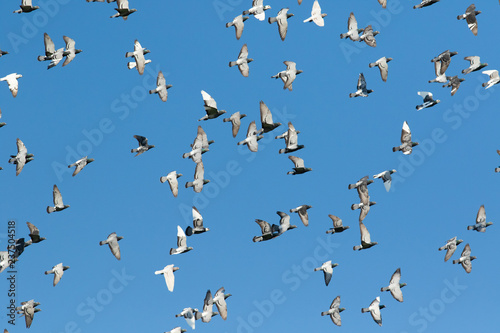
point(201, 145)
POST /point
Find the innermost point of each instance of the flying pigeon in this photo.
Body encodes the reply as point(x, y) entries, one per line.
point(440, 77)
point(302, 211)
point(291, 140)
point(299, 167)
point(445, 59)
point(382, 65)
point(288, 75)
point(494, 78)
point(2, 53)
point(470, 18)
point(6, 260)
point(425, 3)
point(161, 87)
point(465, 259)
point(189, 315)
point(21, 158)
point(386, 178)
point(12, 82)
point(454, 83)
point(199, 146)
point(26, 7)
point(198, 227)
point(406, 144)
point(481, 223)
point(362, 187)
point(58, 271)
point(168, 274)
point(362, 91)
point(112, 242)
point(235, 120)
point(366, 242)
point(282, 19)
point(198, 182)
point(258, 10)
point(334, 311)
point(80, 164)
point(210, 107)
point(207, 313)
point(475, 64)
point(327, 269)
point(316, 15)
point(172, 181)
point(220, 301)
point(242, 61)
point(143, 145)
point(70, 51)
point(50, 48)
point(29, 312)
point(337, 225)
point(352, 29)
point(395, 286)
point(284, 224)
point(181, 243)
point(369, 36)
point(58, 202)
point(34, 235)
point(138, 54)
point(238, 23)
point(428, 100)
point(123, 9)
point(450, 247)
point(267, 231)
point(266, 118)
point(362, 182)
point(253, 136)
point(374, 309)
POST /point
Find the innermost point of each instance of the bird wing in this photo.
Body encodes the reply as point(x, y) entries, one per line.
point(282, 23)
point(365, 235)
point(405, 133)
point(299, 163)
point(396, 277)
point(221, 303)
point(209, 101)
point(33, 230)
point(290, 66)
point(264, 226)
point(352, 24)
point(265, 114)
point(58, 202)
point(327, 272)
point(337, 222)
point(168, 274)
point(142, 140)
point(50, 49)
point(197, 218)
point(361, 82)
point(243, 52)
point(481, 215)
point(173, 183)
point(466, 251)
point(252, 129)
point(493, 74)
point(304, 216)
point(160, 80)
point(199, 171)
point(384, 69)
point(115, 247)
point(181, 237)
point(122, 4)
point(21, 148)
point(70, 43)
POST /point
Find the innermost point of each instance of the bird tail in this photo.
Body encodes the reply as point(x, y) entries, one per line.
point(470, 227)
point(497, 169)
point(355, 206)
point(163, 179)
point(134, 150)
point(352, 95)
point(232, 63)
point(272, 20)
point(103, 242)
point(185, 155)
point(189, 184)
point(281, 151)
point(229, 24)
point(351, 186)
point(363, 310)
point(290, 173)
point(172, 251)
point(189, 231)
point(317, 269)
point(357, 247)
point(226, 120)
point(257, 239)
point(456, 261)
point(152, 91)
point(324, 313)
point(396, 148)
point(372, 64)
point(460, 17)
point(41, 58)
point(342, 36)
point(50, 209)
point(129, 54)
point(485, 84)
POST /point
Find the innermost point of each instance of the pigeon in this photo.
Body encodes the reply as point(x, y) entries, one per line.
point(465, 259)
point(235, 120)
point(406, 143)
point(58, 271)
point(123, 10)
point(112, 242)
point(168, 274)
point(199, 146)
point(143, 145)
point(12, 82)
point(70, 51)
point(220, 301)
point(386, 178)
point(50, 48)
point(207, 313)
point(302, 211)
point(364, 197)
point(253, 136)
point(6, 260)
point(242, 61)
point(29, 312)
point(440, 77)
point(395, 286)
point(337, 225)
point(288, 75)
point(366, 242)
point(481, 223)
point(327, 269)
point(138, 54)
point(475, 64)
point(18, 248)
point(352, 29)
point(267, 231)
point(425, 3)
point(181, 243)
point(284, 224)
point(362, 182)
point(454, 83)
point(445, 59)
point(284, 135)
point(172, 181)
point(382, 65)
point(494, 78)
point(428, 100)
point(266, 118)
point(198, 227)
point(58, 201)
point(21, 158)
point(2, 124)
point(291, 140)
point(299, 167)
point(189, 315)
point(362, 91)
point(374, 309)
point(238, 23)
point(470, 18)
point(450, 247)
point(177, 330)
point(282, 19)
point(198, 182)
point(316, 15)
point(26, 7)
point(334, 311)
point(369, 36)
point(80, 164)
point(383, 3)
point(258, 10)
point(210, 107)
point(34, 235)
point(56, 58)
point(161, 87)
point(2, 53)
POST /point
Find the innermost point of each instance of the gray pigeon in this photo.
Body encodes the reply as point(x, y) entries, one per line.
point(425, 3)
point(362, 187)
point(238, 23)
point(235, 120)
point(258, 10)
point(21, 158)
point(138, 54)
point(58, 271)
point(352, 29)
point(282, 19)
point(302, 211)
point(440, 77)
point(450, 247)
point(143, 145)
point(445, 59)
point(316, 15)
point(112, 242)
point(366, 242)
point(220, 302)
point(198, 227)
point(207, 313)
point(189, 315)
point(334, 311)
point(470, 18)
point(70, 51)
point(2, 53)
point(181, 243)
point(123, 10)
point(337, 225)
point(475, 64)
point(26, 7)
point(291, 140)
point(382, 65)
point(454, 83)
point(327, 269)
point(481, 223)
point(58, 202)
point(374, 310)
point(465, 259)
point(386, 178)
point(34, 235)
point(288, 75)
point(80, 164)
point(299, 167)
point(362, 91)
point(172, 181)
point(267, 231)
point(362, 182)
point(253, 136)
point(161, 87)
point(428, 100)
point(210, 107)
point(369, 36)
point(50, 48)
point(494, 78)
point(168, 274)
point(198, 182)
point(395, 286)
point(266, 118)
point(406, 143)
point(29, 312)
point(284, 224)
point(199, 146)
point(242, 61)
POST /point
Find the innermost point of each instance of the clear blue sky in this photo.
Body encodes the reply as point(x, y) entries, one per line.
point(95, 105)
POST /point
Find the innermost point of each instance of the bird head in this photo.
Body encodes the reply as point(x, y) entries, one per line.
point(472, 258)
point(249, 60)
point(453, 53)
point(175, 269)
point(90, 160)
point(179, 175)
point(132, 11)
point(242, 116)
point(266, 7)
point(227, 295)
point(78, 51)
point(299, 71)
point(324, 15)
point(341, 309)
point(206, 181)
point(335, 265)
point(119, 238)
point(401, 285)
point(388, 59)
point(381, 306)
point(151, 146)
point(489, 223)
point(169, 86)
point(289, 15)
point(309, 169)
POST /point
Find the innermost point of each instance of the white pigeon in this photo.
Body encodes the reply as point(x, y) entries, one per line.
point(168, 274)
point(138, 54)
point(80, 164)
point(242, 61)
point(112, 242)
point(181, 243)
point(161, 87)
point(316, 15)
point(199, 181)
point(220, 302)
point(189, 315)
point(58, 201)
point(172, 181)
point(494, 78)
point(70, 51)
point(12, 82)
point(374, 310)
point(395, 286)
point(258, 10)
point(58, 271)
point(253, 136)
point(327, 269)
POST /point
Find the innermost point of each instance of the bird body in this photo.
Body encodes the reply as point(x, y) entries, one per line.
point(112, 242)
point(58, 202)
